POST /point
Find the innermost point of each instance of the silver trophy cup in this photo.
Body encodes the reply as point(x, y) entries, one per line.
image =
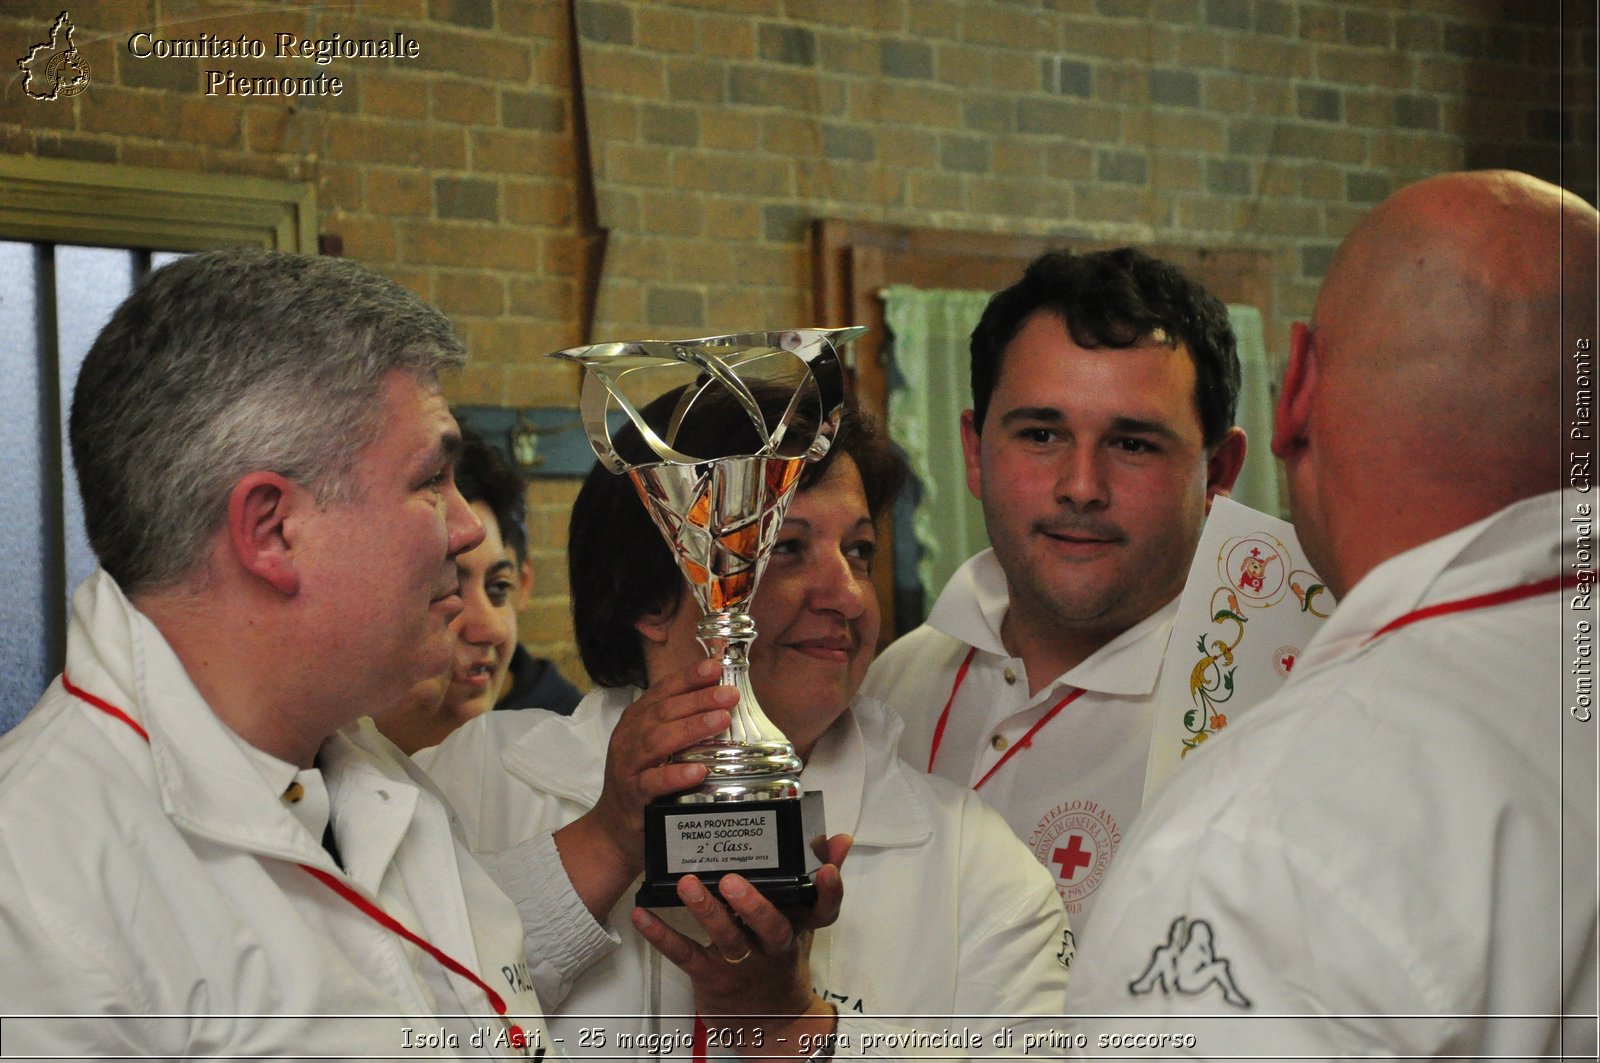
point(714, 434)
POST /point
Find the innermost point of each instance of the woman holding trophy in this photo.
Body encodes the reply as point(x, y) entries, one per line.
point(946, 912)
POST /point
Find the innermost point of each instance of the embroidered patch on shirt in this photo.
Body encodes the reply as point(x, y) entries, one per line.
point(1188, 963)
point(1075, 842)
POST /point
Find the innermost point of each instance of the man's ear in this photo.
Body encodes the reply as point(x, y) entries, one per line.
point(1224, 464)
point(969, 453)
point(1293, 419)
point(263, 509)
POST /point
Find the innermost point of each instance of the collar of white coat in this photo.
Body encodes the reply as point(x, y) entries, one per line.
point(973, 604)
point(1520, 544)
point(207, 784)
point(865, 789)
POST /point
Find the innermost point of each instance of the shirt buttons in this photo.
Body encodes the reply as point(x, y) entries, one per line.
point(998, 742)
point(294, 793)
point(1011, 677)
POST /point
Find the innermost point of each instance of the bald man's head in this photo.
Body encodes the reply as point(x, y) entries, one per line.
point(1428, 395)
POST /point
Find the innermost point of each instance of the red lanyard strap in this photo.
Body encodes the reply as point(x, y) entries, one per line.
point(1027, 739)
point(1462, 605)
point(103, 705)
point(944, 717)
point(518, 1037)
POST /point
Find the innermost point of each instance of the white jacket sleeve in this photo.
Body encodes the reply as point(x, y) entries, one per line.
point(76, 973)
point(509, 827)
point(1199, 966)
point(1015, 948)
point(1016, 945)
point(560, 937)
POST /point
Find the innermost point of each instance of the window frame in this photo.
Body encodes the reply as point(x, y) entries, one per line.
point(98, 204)
point(53, 202)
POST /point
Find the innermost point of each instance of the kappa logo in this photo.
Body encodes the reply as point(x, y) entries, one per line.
point(1075, 841)
point(1188, 964)
point(55, 69)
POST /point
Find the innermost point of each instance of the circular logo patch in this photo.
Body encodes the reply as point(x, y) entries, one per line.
point(1075, 842)
point(67, 73)
point(1254, 567)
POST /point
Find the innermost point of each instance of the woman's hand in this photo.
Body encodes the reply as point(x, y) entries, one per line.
point(754, 976)
point(603, 850)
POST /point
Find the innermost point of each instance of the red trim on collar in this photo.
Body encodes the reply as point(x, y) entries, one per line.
point(103, 705)
point(1463, 605)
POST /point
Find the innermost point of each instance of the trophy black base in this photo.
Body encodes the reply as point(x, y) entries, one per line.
point(767, 842)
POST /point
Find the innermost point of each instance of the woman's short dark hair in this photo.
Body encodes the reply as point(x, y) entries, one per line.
point(484, 474)
point(620, 568)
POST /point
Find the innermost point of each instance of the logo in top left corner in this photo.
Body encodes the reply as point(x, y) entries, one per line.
point(55, 69)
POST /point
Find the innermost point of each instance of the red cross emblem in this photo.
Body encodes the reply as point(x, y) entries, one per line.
point(1072, 859)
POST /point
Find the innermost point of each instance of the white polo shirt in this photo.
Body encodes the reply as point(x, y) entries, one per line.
point(1072, 791)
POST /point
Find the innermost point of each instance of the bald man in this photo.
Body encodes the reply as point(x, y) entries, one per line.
point(1393, 855)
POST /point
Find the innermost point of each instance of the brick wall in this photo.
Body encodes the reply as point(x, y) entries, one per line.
point(452, 172)
point(720, 128)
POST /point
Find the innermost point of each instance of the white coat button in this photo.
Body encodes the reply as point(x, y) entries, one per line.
point(1011, 677)
point(998, 742)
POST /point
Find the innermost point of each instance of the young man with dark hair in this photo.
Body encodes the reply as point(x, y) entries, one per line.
point(1104, 388)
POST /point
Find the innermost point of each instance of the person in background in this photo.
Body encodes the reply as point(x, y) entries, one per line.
point(1104, 387)
point(531, 682)
point(935, 873)
point(486, 629)
point(204, 850)
point(1395, 854)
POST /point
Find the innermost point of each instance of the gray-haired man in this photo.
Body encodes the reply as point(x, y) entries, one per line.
point(192, 823)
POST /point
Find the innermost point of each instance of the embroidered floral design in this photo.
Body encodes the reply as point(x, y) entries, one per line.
point(1211, 679)
point(1306, 595)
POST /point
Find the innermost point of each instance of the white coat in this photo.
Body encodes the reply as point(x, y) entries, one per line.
point(945, 913)
point(151, 892)
point(1396, 850)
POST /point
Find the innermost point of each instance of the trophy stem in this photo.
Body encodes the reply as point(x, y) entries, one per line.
point(750, 760)
point(727, 634)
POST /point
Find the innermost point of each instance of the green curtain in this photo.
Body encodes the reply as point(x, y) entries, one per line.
point(929, 387)
point(1257, 486)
